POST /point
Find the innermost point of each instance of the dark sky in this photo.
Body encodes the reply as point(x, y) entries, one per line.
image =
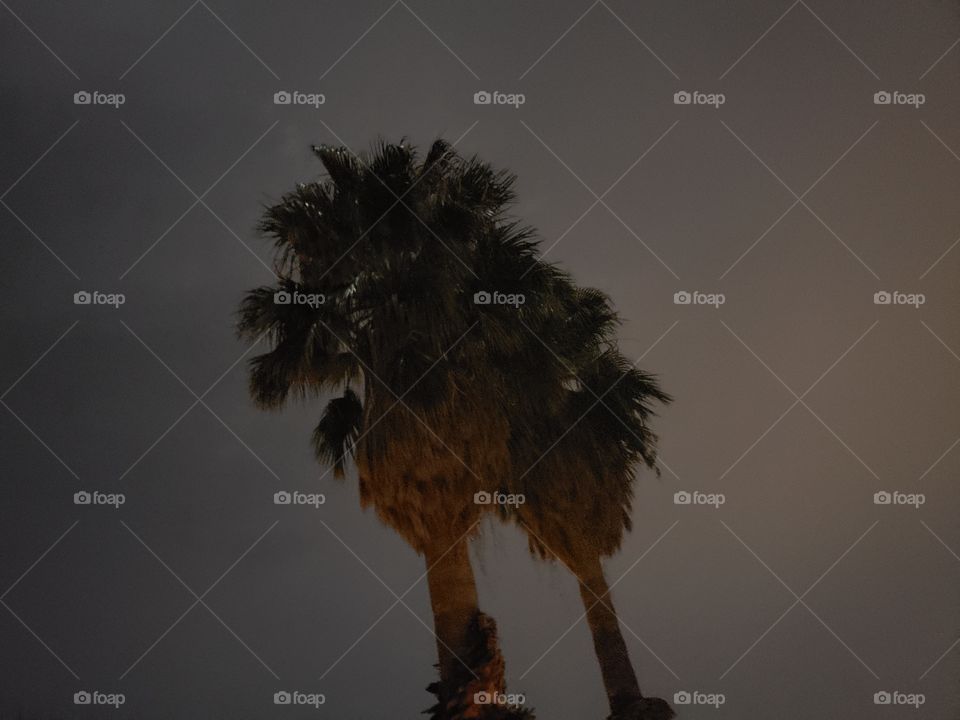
point(798, 399)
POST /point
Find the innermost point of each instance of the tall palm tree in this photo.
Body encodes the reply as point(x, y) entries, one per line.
point(376, 269)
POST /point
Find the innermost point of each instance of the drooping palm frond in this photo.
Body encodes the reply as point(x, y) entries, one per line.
point(621, 406)
point(335, 437)
point(308, 353)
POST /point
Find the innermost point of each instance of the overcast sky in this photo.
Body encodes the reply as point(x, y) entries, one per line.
point(797, 199)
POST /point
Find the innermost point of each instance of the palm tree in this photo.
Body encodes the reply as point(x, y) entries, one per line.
point(441, 398)
point(575, 458)
point(578, 499)
point(376, 270)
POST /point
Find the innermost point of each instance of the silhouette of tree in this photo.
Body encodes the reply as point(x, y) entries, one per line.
point(579, 416)
point(392, 245)
point(575, 462)
point(442, 395)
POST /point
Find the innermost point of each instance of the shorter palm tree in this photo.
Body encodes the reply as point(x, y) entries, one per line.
point(576, 450)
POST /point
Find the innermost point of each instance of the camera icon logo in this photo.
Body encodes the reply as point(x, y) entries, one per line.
point(282, 498)
point(882, 498)
point(882, 698)
point(682, 298)
point(482, 98)
point(882, 297)
point(82, 698)
point(482, 298)
point(682, 98)
point(682, 498)
point(682, 698)
point(482, 498)
point(282, 98)
point(82, 98)
point(282, 698)
point(82, 298)
point(482, 698)
point(882, 98)
point(282, 298)
point(82, 498)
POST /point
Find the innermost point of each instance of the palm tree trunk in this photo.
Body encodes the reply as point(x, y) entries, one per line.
point(468, 647)
point(453, 597)
point(619, 678)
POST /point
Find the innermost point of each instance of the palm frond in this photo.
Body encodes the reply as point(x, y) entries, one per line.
point(336, 435)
